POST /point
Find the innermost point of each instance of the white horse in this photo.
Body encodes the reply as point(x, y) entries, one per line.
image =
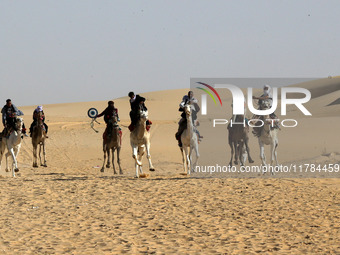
point(140, 141)
point(13, 143)
point(268, 136)
point(189, 139)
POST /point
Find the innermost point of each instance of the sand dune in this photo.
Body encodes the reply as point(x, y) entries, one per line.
point(337, 101)
point(320, 87)
point(70, 207)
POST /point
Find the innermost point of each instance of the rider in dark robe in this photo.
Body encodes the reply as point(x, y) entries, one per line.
point(108, 113)
point(9, 114)
point(35, 120)
point(137, 103)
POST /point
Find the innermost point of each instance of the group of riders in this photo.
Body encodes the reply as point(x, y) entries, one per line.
point(110, 113)
point(9, 114)
point(137, 103)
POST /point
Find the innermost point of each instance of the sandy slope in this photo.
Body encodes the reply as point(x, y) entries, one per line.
point(70, 207)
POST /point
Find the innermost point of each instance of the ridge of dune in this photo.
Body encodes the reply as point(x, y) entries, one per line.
point(335, 102)
point(319, 87)
point(324, 92)
point(165, 99)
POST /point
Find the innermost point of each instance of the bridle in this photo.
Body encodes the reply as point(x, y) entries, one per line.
point(40, 119)
point(18, 123)
point(114, 121)
point(187, 109)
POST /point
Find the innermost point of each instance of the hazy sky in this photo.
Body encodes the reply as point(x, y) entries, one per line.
point(70, 51)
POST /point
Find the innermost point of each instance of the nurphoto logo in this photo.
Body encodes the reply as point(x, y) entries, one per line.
point(267, 106)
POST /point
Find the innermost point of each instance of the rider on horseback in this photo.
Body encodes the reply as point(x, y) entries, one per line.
point(9, 114)
point(108, 114)
point(233, 121)
point(137, 102)
point(182, 124)
point(35, 120)
point(266, 99)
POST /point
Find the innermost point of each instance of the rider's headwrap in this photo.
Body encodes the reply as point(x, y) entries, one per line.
point(190, 93)
point(111, 104)
point(267, 92)
point(39, 108)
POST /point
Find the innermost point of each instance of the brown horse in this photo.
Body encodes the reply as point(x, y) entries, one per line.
point(238, 138)
point(111, 142)
point(38, 138)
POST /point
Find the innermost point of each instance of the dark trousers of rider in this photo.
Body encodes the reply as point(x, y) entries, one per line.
point(11, 123)
point(108, 129)
point(133, 117)
point(34, 123)
point(181, 127)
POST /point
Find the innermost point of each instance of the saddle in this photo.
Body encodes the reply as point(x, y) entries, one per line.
point(106, 135)
point(257, 130)
point(6, 132)
point(43, 128)
point(148, 126)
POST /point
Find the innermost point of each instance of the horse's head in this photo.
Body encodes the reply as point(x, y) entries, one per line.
point(40, 117)
point(264, 105)
point(144, 115)
point(114, 118)
point(187, 109)
point(19, 122)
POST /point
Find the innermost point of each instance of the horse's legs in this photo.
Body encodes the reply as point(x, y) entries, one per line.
point(104, 151)
point(44, 154)
point(6, 156)
point(183, 159)
point(15, 163)
point(275, 152)
point(262, 154)
point(1, 154)
point(232, 154)
point(118, 160)
point(134, 156)
point(187, 159)
point(273, 147)
point(240, 153)
point(141, 151)
point(190, 157)
point(113, 161)
point(35, 158)
point(147, 146)
point(248, 150)
point(236, 153)
point(40, 154)
point(2, 150)
point(272, 152)
point(195, 148)
point(16, 150)
point(108, 150)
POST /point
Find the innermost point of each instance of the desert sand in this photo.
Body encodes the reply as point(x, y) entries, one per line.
point(70, 207)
